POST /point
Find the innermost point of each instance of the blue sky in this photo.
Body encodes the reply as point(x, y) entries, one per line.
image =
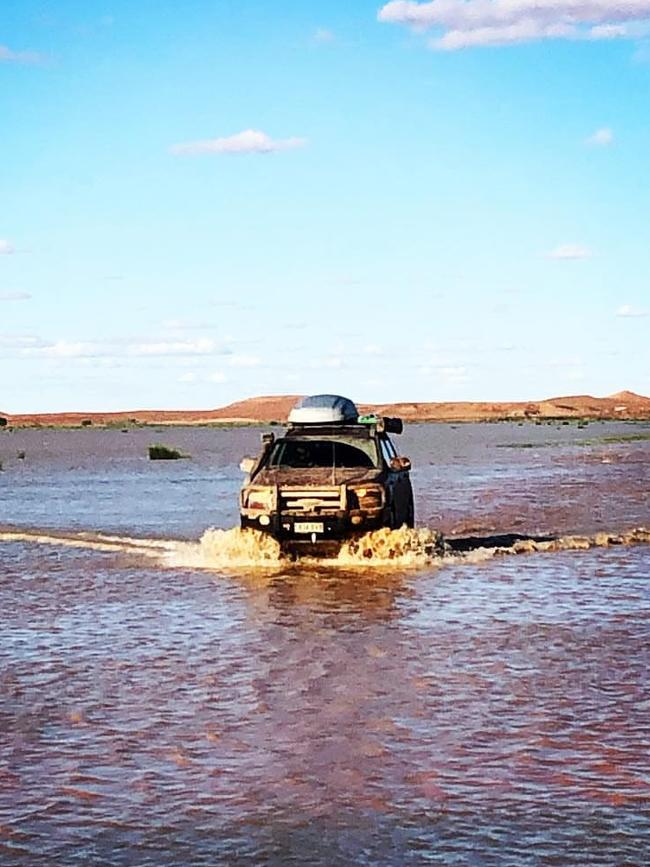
point(204, 201)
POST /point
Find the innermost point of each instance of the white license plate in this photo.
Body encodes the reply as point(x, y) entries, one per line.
point(308, 527)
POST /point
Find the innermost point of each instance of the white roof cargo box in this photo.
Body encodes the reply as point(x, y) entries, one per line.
point(324, 409)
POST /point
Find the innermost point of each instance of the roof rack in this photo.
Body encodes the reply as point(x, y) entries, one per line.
point(324, 409)
point(331, 413)
point(362, 431)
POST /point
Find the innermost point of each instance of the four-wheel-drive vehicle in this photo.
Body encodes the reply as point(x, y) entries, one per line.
point(331, 475)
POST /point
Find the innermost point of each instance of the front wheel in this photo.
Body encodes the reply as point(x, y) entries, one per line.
point(409, 512)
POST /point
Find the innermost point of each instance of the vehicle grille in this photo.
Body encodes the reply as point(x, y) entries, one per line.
point(313, 501)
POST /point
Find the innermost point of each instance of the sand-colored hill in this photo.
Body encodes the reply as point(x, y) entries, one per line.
point(622, 405)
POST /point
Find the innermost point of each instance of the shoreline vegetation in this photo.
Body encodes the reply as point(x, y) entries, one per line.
point(161, 452)
point(581, 409)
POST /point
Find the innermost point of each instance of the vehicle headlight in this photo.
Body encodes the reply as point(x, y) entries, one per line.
point(366, 496)
point(259, 498)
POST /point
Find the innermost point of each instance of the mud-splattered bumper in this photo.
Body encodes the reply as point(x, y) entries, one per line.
point(316, 527)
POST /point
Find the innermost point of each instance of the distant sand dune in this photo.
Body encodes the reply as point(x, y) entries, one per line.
point(622, 405)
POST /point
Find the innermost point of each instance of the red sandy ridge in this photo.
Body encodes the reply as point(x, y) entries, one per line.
point(622, 405)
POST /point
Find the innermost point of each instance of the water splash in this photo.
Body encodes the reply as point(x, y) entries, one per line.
point(226, 549)
point(236, 549)
point(480, 550)
point(153, 548)
point(385, 547)
point(404, 548)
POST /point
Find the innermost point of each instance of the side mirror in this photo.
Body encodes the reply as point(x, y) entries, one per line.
point(393, 425)
point(247, 465)
point(400, 464)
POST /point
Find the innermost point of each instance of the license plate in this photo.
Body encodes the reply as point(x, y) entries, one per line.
point(308, 527)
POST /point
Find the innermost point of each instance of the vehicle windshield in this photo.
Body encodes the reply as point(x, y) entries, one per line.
point(307, 454)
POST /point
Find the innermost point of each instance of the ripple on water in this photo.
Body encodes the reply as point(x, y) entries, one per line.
point(493, 714)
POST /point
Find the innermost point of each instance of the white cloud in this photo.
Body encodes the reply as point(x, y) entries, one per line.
point(20, 341)
point(324, 36)
point(332, 362)
point(7, 55)
point(180, 326)
point(567, 362)
point(630, 312)
point(14, 296)
point(200, 346)
point(120, 348)
point(602, 137)
point(250, 141)
point(610, 31)
point(570, 251)
point(65, 349)
point(467, 23)
point(450, 374)
point(454, 374)
point(521, 31)
point(192, 377)
point(574, 374)
point(244, 361)
point(6, 249)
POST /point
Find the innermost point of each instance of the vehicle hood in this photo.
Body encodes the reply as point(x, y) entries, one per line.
point(320, 476)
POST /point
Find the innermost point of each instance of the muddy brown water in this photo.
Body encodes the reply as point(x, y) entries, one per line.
point(170, 701)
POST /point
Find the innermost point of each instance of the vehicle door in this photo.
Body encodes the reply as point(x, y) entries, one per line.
point(394, 480)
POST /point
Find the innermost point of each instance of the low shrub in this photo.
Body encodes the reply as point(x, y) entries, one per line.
point(160, 452)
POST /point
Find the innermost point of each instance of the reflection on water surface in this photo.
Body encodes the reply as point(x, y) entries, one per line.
point(492, 714)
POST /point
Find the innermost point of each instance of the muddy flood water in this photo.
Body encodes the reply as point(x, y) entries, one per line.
point(171, 696)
